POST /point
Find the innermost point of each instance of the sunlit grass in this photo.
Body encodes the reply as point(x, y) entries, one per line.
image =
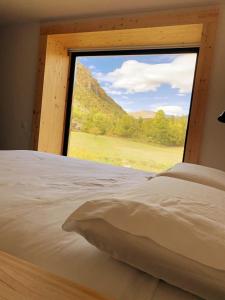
point(123, 152)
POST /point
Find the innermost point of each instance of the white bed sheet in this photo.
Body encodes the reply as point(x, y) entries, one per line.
point(37, 193)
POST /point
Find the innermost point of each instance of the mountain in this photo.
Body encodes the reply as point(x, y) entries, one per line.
point(144, 114)
point(89, 97)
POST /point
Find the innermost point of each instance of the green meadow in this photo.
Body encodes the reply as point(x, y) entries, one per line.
point(123, 152)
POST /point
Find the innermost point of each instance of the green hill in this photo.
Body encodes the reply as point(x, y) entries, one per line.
point(90, 99)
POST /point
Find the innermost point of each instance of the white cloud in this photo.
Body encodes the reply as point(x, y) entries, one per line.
point(113, 92)
point(110, 90)
point(92, 67)
point(134, 76)
point(174, 110)
point(129, 102)
point(99, 75)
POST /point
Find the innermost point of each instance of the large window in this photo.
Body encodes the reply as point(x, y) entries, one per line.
point(130, 108)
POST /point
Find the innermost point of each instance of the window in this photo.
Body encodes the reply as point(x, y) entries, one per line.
point(130, 108)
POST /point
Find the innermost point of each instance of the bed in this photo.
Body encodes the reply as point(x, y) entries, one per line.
point(37, 193)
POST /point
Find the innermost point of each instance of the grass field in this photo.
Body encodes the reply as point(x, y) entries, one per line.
point(123, 152)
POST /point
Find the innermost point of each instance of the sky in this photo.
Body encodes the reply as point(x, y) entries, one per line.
point(146, 82)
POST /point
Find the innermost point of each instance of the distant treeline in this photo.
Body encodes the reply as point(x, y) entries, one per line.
point(161, 129)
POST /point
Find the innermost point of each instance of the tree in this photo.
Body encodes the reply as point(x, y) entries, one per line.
point(161, 129)
point(127, 126)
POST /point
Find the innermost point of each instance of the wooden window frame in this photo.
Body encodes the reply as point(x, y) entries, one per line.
point(177, 28)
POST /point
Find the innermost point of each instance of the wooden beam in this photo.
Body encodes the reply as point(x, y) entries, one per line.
point(22, 280)
point(53, 98)
point(200, 93)
point(168, 36)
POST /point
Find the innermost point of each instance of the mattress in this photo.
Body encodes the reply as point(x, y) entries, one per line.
point(37, 193)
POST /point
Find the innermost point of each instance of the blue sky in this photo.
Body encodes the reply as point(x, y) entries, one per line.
point(146, 82)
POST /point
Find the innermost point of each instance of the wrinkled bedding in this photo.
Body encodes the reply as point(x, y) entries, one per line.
point(169, 228)
point(38, 192)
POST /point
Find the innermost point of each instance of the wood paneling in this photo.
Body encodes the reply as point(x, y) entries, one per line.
point(168, 36)
point(200, 93)
point(20, 280)
point(53, 102)
point(175, 28)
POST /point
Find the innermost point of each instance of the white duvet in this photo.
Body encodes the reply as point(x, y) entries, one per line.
point(170, 228)
point(38, 192)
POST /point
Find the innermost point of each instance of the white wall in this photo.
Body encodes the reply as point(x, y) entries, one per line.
point(18, 60)
point(18, 64)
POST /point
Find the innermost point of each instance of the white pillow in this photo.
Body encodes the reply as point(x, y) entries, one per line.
point(196, 173)
point(176, 232)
